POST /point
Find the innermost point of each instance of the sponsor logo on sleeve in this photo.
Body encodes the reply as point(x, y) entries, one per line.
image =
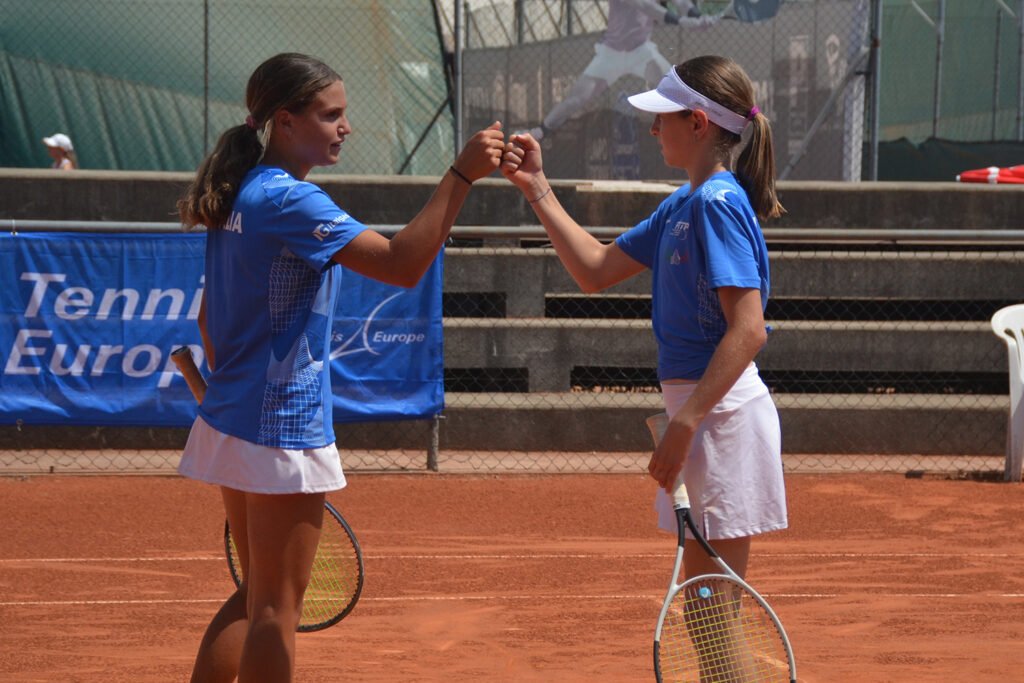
point(323, 231)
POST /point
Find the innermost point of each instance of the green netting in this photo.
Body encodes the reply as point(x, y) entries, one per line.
point(975, 105)
point(125, 78)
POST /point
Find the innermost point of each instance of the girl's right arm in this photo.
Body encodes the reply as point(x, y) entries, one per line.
point(593, 265)
point(403, 259)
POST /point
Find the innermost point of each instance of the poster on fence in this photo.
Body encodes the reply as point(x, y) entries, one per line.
point(89, 321)
point(565, 79)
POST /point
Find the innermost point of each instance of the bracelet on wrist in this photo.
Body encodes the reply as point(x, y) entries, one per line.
point(543, 194)
point(459, 175)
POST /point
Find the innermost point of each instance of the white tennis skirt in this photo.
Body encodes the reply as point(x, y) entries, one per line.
point(224, 460)
point(733, 472)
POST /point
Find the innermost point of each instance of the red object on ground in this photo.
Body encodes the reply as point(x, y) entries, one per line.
point(994, 175)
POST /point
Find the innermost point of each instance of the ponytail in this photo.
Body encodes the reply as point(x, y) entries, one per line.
point(288, 81)
point(756, 170)
point(212, 193)
point(725, 82)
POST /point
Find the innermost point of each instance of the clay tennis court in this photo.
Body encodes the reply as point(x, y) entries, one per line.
point(516, 578)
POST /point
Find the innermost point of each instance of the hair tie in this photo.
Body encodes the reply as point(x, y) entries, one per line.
point(250, 122)
point(459, 175)
point(263, 137)
point(754, 111)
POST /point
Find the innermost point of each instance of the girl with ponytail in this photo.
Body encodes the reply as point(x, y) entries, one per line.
point(710, 287)
point(264, 432)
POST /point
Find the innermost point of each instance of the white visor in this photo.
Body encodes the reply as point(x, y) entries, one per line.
point(672, 94)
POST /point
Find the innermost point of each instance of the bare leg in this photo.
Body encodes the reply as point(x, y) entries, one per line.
point(721, 657)
point(735, 552)
point(582, 92)
point(654, 70)
point(284, 531)
point(221, 648)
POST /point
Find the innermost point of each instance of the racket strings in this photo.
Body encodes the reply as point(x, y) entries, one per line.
point(334, 579)
point(716, 632)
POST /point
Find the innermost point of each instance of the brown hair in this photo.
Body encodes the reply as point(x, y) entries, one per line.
point(287, 81)
point(725, 82)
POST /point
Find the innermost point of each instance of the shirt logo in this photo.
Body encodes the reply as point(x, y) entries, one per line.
point(676, 258)
point(720, 195)
point(322, 231)
point(681, 228)
point(234, 223)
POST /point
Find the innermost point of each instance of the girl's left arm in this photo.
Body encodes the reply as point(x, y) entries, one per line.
point(744, 336)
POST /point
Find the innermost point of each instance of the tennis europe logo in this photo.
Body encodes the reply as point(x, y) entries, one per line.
point(36, 348)
point(363, 340)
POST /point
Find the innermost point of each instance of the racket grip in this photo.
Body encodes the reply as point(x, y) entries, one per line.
point(658, 424)
point(182, 358)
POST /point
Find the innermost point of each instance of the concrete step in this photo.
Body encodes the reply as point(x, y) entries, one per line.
point(551, 427)
point(527, 276)
point(550, 348)
point(820, 423)
point(146, 196)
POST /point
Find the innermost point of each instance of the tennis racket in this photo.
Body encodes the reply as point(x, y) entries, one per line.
point(337, 577)
point(715, 628)
point(749, 11)
point(182, 357)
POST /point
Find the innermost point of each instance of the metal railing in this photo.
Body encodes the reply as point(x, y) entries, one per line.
point(537, 233)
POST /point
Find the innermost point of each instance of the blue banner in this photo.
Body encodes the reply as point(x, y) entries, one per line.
point(89, 321)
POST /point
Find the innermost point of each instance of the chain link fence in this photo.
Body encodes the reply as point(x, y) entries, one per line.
point(967, 84)
point(882, 354)
point(395, 446)
point(152, 84)
point(562, 70)
point(880, 358)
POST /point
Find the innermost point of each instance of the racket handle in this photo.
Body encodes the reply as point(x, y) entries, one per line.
point(182, 357)
point(658, 424)
point(680, 498)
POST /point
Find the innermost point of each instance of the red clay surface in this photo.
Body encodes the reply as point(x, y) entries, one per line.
point(516, 578)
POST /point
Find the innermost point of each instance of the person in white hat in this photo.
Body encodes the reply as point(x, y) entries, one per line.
point(61, 151)
point(710, 286)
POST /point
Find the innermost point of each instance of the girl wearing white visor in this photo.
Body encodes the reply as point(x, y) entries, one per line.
point(710, 286)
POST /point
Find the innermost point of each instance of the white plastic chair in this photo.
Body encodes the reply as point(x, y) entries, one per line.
point(1008, 323)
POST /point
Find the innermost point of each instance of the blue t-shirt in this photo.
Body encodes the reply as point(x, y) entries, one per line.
point(271, 290)
point(694, 244)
